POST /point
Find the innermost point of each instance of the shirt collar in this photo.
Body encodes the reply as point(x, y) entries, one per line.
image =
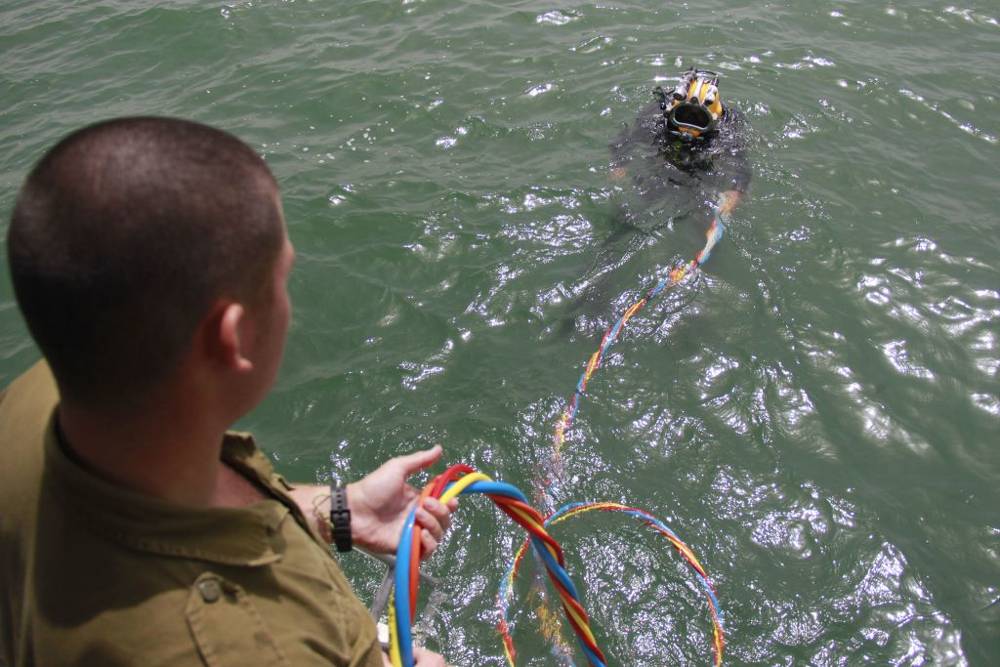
point(248, 536)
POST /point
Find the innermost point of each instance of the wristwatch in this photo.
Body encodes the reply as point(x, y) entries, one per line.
point(340, 518)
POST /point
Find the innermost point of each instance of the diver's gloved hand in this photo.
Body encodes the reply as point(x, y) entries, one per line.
point(728, 201)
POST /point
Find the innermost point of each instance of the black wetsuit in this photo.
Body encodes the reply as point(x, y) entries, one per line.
point(667, 170)
point(673, 181)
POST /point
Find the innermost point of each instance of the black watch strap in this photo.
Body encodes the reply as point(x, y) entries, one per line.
point(340, 518)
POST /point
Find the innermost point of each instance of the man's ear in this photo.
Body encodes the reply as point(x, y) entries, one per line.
point(227, 337)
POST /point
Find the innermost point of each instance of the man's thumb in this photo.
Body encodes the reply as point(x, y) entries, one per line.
point(420, 460)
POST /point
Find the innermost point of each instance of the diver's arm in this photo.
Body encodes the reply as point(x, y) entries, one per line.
point(736, 162)
point(738, 185)
point(644, 131)
point(620, 148)
point(739, 182)
point(728, 201)
point(739, 179)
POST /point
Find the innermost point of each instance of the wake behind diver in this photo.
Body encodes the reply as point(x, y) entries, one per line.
point(684, 153)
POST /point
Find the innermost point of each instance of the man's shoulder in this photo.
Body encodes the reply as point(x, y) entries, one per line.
point(25, 412)
point(30, 393)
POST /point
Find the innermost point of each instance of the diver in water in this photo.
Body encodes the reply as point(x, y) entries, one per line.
point(686, 158)
point(693, 145)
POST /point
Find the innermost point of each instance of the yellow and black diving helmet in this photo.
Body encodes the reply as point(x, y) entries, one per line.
point(694, 108)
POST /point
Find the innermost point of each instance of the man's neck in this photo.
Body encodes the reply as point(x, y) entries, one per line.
point(170, 454)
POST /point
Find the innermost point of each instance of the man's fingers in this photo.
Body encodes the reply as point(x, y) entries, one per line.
point(441, 512)
point(430, 522)
point(428, 542)
point(424, 658)
point(419, 460)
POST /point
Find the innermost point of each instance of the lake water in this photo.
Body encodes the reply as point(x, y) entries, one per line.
point(816, 413)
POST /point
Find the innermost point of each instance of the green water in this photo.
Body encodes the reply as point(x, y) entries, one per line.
point(816, 414)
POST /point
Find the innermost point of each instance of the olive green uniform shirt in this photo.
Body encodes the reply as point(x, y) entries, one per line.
point(94, 574)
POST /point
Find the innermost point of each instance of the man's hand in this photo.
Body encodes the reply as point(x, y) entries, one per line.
point(424, 658)
point(380, 502)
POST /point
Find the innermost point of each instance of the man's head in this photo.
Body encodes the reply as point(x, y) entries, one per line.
point(128, 236)
point(693, 109)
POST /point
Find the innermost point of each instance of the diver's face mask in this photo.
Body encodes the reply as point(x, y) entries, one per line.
point(694, 108)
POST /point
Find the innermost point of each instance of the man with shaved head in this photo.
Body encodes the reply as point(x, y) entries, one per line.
point(150, 259)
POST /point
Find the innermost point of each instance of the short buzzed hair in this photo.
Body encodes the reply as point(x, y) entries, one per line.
point(123, 237)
